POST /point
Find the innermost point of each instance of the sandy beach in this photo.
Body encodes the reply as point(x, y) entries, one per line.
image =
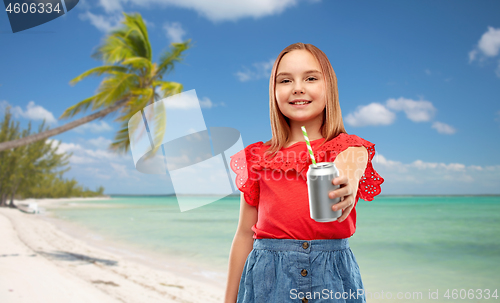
point(41, 263)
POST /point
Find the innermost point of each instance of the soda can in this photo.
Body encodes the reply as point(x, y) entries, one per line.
point(319, 184)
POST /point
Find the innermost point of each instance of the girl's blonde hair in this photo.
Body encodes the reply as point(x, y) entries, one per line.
point(332, 125)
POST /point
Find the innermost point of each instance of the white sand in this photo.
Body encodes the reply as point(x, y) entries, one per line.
point(40, 263)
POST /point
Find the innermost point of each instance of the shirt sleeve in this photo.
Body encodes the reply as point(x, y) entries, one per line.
point(369, 184)
point(246, 180)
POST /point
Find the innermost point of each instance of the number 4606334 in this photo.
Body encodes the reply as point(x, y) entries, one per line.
point(32, 8)
point(471, 294)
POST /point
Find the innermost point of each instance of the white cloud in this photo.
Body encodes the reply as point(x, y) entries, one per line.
point(67, 147)
point(400, 167)
point(378, 114)
point(93, 127)
point(205, 102)
point(189, 102)
point(417, 111)
point(419, 164)
point(174, 31)
point(32, 112)
point(101, 154)
point(97, 173)
point(64, 147)
point(102, 22)
point(222, 10)
point(443, 128)
point(489, 44)
point(472, 55)
point(100, 142)
point(78, 152)
point(214, 10)
point(487, 47)
point(184, 101)
point(428, 72)
point(120, 169)
point(111, 5)
point(37, 112)
point(475, 167)
point(260, 70)
point(371, 114)
point(82, 155)
point(3, 105)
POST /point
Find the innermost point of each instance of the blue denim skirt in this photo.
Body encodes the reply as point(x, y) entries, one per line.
point(287, 270)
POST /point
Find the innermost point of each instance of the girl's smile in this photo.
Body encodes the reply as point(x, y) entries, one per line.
point(300, 103)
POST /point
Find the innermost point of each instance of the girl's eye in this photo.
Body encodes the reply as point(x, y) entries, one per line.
point(308, 79)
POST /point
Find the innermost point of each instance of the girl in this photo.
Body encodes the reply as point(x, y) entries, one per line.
point(280, 254)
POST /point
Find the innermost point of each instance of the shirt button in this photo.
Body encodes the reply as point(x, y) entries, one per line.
point(304, 300)
point(303, 272)
point(305, 245)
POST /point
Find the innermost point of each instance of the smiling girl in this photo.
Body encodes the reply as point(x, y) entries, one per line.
point(280, 254)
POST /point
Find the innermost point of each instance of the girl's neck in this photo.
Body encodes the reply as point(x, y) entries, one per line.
point(313, 129)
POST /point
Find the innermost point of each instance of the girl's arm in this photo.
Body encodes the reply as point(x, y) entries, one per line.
point(351, 164)
point(241, 247)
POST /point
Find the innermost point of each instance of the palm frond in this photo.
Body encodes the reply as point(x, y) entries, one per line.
point(134, 105)
point(121, 142)
point(160, 125)
point(130, 40)
point(140, 92)
point(97, 71)
point(79, 107)
point(138, 63)
point(168, 88)
point(114, 88)
point(113, 50)
point(169, 58)
point(137, 28)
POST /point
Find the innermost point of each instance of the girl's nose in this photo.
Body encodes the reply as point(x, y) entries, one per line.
point(298, 89)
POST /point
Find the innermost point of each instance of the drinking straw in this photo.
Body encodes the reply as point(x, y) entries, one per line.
point(308, 145)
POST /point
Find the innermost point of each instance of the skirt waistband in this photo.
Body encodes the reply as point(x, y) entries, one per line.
point(301, 245)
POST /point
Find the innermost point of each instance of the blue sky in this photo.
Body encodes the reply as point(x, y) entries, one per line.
point(420, 79)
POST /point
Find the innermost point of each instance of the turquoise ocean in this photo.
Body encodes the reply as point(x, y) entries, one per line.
point(413, 246)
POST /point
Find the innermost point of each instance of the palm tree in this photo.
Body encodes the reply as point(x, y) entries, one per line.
point(132, 82)
point(22, 168)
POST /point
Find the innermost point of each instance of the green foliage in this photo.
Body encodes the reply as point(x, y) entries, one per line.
point(34, 170)
point(52, 186)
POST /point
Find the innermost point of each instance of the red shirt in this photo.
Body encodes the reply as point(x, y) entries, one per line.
point(277, 188)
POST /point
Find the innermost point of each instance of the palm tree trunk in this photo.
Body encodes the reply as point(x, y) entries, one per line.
point(11, 204)
point(58, 130)
point(3, 199)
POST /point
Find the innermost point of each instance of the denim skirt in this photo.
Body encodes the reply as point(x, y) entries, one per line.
point(288, 270)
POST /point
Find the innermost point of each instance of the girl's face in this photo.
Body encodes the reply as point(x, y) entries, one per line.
point(299, 79)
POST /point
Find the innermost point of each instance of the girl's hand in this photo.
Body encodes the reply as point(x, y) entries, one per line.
point(346, 197)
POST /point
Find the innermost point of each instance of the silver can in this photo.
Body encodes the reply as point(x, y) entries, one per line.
point(319, 185)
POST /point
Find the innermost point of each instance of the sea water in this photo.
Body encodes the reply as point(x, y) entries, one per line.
point(403, 244)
